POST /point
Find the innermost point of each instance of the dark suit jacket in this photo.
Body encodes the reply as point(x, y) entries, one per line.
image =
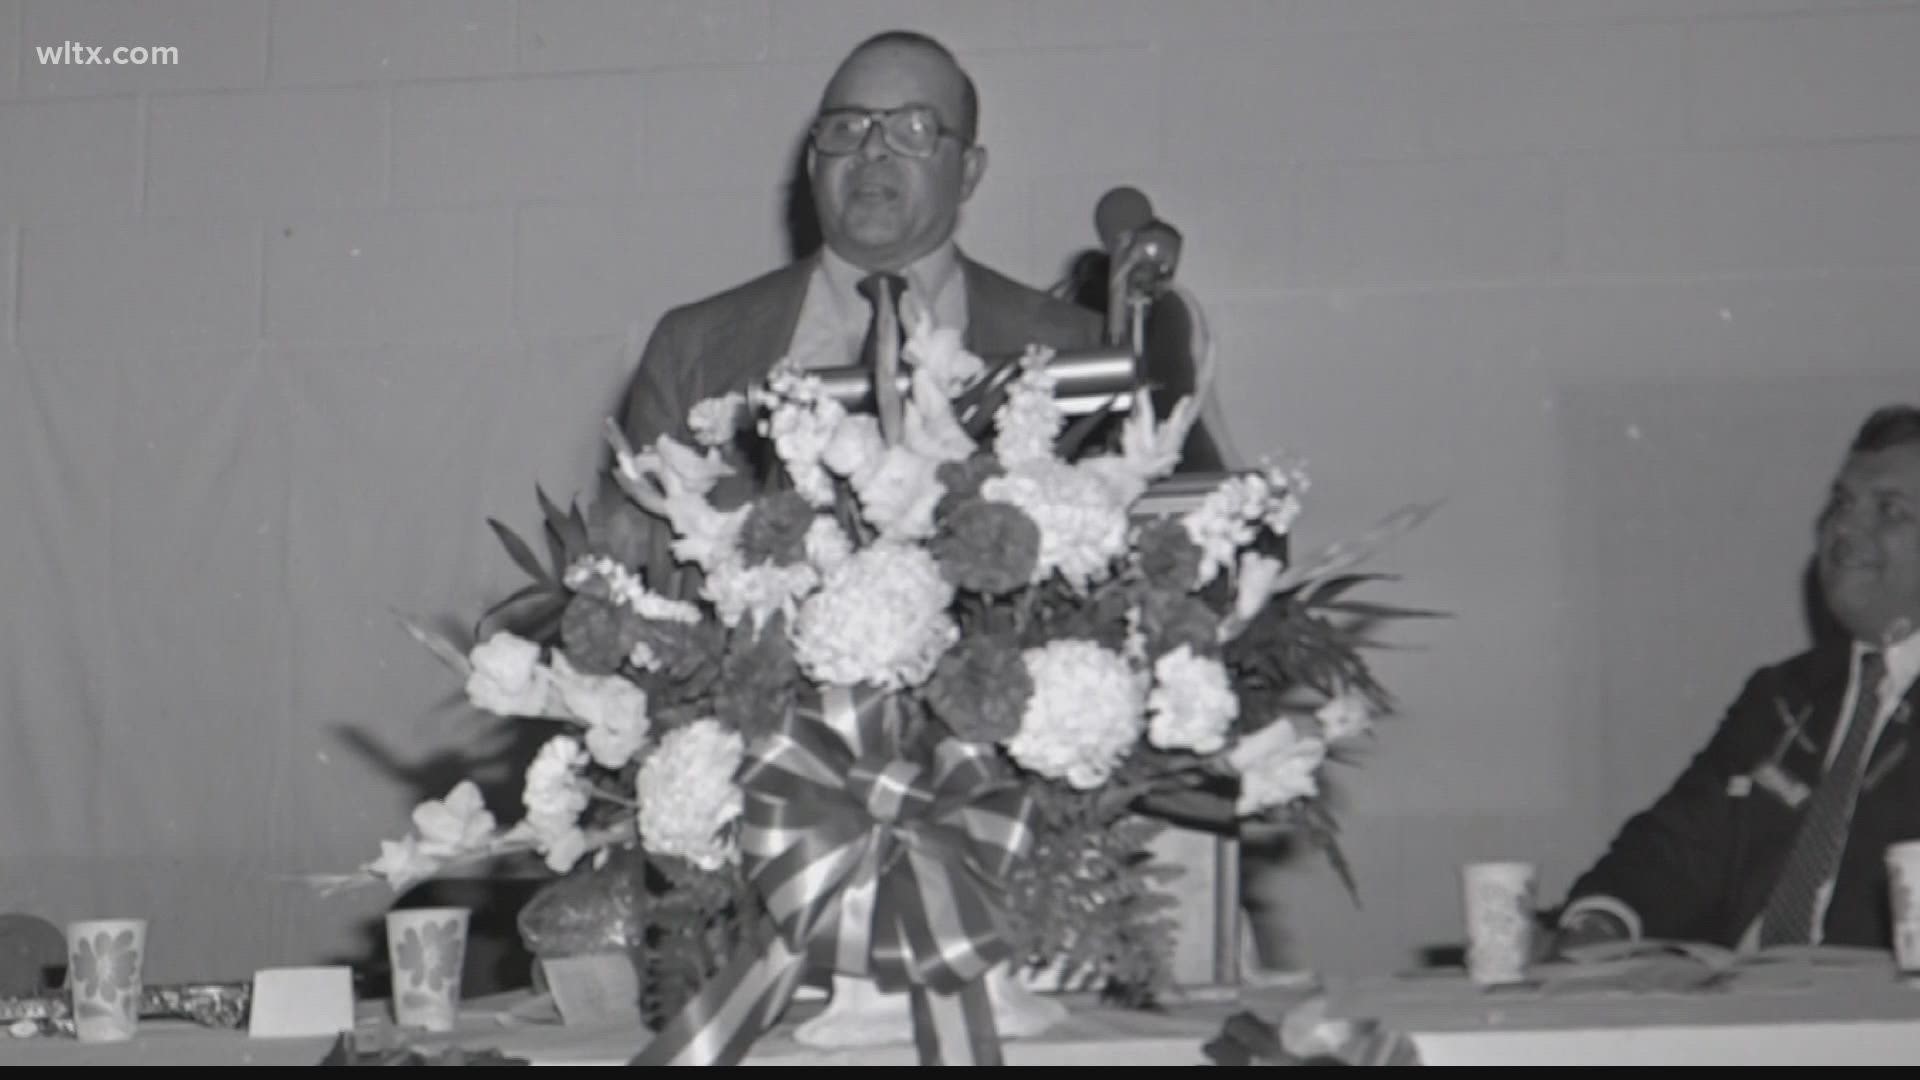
point(728, 341)
point(1700, 862)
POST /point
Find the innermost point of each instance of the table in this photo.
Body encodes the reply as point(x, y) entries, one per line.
point(1825, 1008)
point(1090, 1035)
point(1811, 1007)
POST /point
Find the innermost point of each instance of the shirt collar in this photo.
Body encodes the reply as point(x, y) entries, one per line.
point(926, 277)
point(1902, 657)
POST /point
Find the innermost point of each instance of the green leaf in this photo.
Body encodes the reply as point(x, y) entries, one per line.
point(1332, 587)
point(521, 554)
point(532, 611)
point(975, 405)
point(438, 644)
point(1342, 554)
point(1383, 611)
point(557, 548)
point(1324, 832)
point(577, 534)
point(1068, 444)
point(567, 533)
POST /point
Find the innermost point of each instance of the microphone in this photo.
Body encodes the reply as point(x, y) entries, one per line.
point(1142, 252)
point(1146, 246)
point(1120, 212)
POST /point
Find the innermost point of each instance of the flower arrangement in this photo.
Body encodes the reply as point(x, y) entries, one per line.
point(938, 606)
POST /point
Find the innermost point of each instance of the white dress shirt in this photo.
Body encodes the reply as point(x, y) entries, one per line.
point(834, 316)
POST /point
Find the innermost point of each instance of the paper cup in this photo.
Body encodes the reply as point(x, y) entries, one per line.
point(427, 948)
point(1499, 900)
point(1903, 893)
point(106, 959)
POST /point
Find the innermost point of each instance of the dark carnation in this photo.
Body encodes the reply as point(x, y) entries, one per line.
point(597, 633)
point(961, 480)
point(776, 529)
point(1170, 619)
point(987, 547)
point(622, 531)
point(1168, 556)
point(980, 689)
point(682, 652)
point(758, 678)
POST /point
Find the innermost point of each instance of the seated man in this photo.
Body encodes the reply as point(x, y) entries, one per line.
point(1774, 833)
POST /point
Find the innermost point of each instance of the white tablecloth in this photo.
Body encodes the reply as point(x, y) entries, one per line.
point(1091, 1035)
point(1812, 1008)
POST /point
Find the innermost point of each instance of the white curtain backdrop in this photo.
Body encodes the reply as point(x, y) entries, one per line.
point(206, 689)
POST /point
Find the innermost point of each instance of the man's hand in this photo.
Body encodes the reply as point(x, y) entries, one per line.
point(1585, 928)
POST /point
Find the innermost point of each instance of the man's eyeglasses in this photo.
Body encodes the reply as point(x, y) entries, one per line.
point(912, 130)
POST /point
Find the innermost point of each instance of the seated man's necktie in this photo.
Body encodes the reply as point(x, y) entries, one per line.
point(1788, 919)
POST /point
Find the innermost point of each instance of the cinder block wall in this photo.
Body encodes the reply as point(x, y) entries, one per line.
point(284, 323)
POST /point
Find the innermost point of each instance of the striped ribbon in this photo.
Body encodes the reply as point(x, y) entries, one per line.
point(878, 854)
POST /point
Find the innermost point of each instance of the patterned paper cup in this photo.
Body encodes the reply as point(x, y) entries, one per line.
point(427, 948)
point(105, 963)
point(1499, 908)
point(1903, 894)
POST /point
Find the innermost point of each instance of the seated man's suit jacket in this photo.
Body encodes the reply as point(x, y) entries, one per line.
point(1700, 863)
point(728, 341)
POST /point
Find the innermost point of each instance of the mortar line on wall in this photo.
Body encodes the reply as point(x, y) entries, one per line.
point(266, 47)
point(263, 231)
point(142, 116)
point(386, 146)
point(19, 88)
point(18, 237)
point(519, 63)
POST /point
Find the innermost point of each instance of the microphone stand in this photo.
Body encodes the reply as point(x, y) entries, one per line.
point(1127, 305)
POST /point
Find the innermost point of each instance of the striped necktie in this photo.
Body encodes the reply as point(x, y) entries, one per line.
point(1788, 919)
point(883, 292)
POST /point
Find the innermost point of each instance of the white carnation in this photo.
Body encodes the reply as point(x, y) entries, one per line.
point(1083, 525)
point(1192, 705)
point(879, 618)
point(507, 678)
point(688, 795)
point(1084, 714)
point(612, 707)
point(555, 796)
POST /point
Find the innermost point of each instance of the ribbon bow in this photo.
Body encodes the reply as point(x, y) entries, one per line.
point(876, 854)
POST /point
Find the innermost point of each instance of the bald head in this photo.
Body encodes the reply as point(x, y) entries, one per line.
point(880, 208)
point(906, 54)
